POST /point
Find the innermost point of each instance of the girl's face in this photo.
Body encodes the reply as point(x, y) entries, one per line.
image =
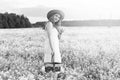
point(55, 18)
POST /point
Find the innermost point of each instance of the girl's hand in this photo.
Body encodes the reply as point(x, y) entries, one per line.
point(60, 33)
point(61, 30)
point(59, 36)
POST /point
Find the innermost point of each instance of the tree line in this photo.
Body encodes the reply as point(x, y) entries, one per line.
point(82, 23)
point(40, 24)
point(12, 20)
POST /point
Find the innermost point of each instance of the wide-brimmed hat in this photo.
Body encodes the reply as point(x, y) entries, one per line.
point(52, 12)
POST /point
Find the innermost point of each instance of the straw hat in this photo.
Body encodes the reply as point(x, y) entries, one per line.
point(52, 12)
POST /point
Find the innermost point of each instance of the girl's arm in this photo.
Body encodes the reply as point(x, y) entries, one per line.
point(60, 31)
point(49, 30)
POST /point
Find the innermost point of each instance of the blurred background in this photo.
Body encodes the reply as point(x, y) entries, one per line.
point(77, 12)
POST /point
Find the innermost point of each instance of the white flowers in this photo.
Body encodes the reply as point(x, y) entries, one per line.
point(22, 51)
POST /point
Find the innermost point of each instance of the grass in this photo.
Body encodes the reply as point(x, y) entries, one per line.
point(88, 53)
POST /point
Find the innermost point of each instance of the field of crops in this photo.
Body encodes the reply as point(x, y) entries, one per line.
point(88, 53)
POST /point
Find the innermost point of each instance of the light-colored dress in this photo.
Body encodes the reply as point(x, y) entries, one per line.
point(51, 33)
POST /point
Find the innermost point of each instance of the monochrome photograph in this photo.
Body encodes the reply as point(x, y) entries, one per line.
point(59, 40)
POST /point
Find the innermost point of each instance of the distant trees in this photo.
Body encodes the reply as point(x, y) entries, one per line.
point(13, 20)
point(40, 24)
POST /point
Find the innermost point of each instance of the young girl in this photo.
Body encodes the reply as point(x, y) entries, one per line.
point(52, 55)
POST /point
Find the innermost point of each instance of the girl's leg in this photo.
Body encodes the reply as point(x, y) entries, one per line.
point(57, 57)
point(48, 66)
point(47, 60)
point(57, 64)
point(47, 52)
point(56, 50)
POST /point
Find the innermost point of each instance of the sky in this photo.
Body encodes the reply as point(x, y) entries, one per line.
point(36, 10)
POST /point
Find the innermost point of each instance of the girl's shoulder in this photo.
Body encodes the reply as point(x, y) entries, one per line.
point(48, 25)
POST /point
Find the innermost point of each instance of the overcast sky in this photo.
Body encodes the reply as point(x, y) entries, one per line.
point(36, 10)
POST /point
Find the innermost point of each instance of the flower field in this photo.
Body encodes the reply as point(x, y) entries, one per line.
point(88, 53)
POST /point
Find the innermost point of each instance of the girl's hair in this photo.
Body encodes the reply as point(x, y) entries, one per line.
point(58, 23)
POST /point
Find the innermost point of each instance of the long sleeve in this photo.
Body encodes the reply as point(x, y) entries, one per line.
point(49, 33)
